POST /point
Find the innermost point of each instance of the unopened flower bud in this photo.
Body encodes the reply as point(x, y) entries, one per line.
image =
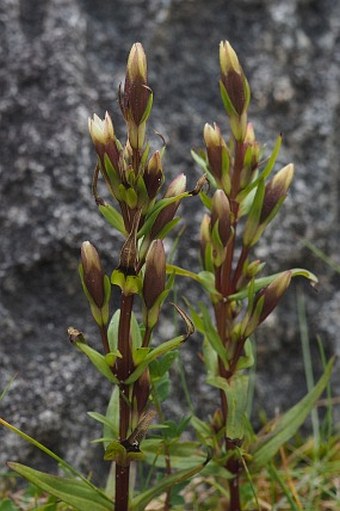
point(220, 227)
point(218, 156)
point(104, 139)
point(136, 91)
point(273, 293)
point(93, 273)
point(205, 239)
point(233, 79)
point(154, 277)
point(175, 188)
point(153, 175)
point(276, 191)
point(221, 212)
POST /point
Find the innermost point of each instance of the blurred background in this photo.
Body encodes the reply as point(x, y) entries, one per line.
point(63, 60)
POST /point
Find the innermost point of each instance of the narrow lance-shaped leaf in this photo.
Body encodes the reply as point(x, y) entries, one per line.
point(71, 491)
point(265, 281)
point(139, 502)
point(288, 424)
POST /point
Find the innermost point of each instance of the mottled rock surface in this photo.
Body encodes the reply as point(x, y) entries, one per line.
point(61, 60)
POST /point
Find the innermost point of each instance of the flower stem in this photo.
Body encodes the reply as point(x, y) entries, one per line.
point(123, 369)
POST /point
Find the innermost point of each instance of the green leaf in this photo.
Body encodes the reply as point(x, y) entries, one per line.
point(63, 464)
point(140, 502)
point(98, 360)
point(163, 348)
point(265, 281)
point(70, 490)
point(212, 335)
point(202, 163)
point(112, 416)
point(266, 171)
point(113, 217)
point(8, 505)
point(112, 331)
point(102, 419)
point(159, 367)
point(236, 392)
point(288, 424)
point(157, 208)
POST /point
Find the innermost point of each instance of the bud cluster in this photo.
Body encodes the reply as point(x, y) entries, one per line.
point(244, 203)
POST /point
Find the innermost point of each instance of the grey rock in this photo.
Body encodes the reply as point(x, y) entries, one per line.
point(62, 60)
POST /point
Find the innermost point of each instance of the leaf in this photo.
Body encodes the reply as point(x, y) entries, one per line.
point(8, 505)
point(140, 501)
point(63, 464)
point(288, 424)
point(153, 214)
point(102, 419)
point(266, 171)
point(265, 281)
point(112, 416)
point(70, 490)
point(159, 367)
point(113, 217)
point(212, 336)
point(163, 348)
point(236, 391)
point(98, 360)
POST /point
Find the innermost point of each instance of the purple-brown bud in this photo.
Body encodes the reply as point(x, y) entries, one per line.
point(93, 273)
point(104, 139)
point(218, 155)
point(136, 91)
point(153, 175)
point(154, 276)
point(205, 238)
point(175, 188)
point(233, 78)
point(273, 293)
point(221, 212)
point(276, 190)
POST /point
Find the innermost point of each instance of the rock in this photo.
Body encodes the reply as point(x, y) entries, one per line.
point(62, 60)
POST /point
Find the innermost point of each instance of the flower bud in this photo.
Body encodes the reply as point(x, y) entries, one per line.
point(205, 239)
point(273, 293)
point(233, 80)
point(221, 213)
point(175, 188)
point(220, 226)
point(104, 139)
point(136, 91)
point(218, 156)
point(92, 273)
point(153, 175)
point(154, 276)
point(276, 191)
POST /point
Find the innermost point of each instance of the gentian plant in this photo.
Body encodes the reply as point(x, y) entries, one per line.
point(241, 196)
